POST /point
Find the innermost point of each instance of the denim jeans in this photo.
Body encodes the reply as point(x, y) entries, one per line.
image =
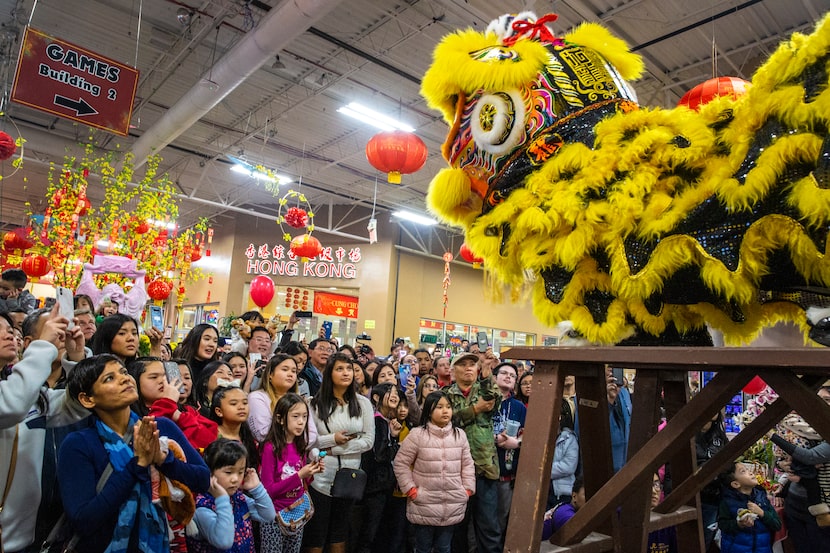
point(433, 538)
point(482, 511)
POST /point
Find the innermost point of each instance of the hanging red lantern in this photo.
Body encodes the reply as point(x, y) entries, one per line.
point(83, 205)
point(296, 217)
point(708, 90)
point(396, 152)
point(17, 239)
point(35, 265)
point(161, 239)
point(467, 254)
point(159, 290)
point(195, 255)
point(306, 246)
point(141, 226)
point(262, 290)
point(755, 386)
point(7, 146)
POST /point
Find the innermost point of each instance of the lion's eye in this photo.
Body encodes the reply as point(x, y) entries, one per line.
point(497, 120)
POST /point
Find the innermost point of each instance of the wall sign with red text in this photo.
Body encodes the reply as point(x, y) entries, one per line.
point(327, 303)
point(66, 80)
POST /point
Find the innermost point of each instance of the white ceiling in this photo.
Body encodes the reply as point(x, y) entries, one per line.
point(371, 51)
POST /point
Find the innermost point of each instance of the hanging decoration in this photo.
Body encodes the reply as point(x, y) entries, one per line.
point(17, 240)
point(467, 255)
point(35, 265)
point(396, 153)
point(755, 386)
point(306, 246)
point(159, 290)
point(708, 90)
point(7, 146)
point(262, 290)
point(11, 147)
point(445, 283)
point(136, 220)
point(296, 217)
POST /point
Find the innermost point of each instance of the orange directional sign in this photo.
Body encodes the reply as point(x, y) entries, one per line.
point(61, 78)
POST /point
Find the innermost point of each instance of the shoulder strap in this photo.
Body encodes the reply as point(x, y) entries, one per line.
point(12, 465)
point(57, 529)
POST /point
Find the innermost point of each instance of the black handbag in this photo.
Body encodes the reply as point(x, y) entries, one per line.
point(348, 483)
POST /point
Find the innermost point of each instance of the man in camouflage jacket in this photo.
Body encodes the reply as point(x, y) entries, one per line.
point(475, 401)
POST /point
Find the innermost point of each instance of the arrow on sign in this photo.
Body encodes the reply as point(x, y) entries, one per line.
point(79, 106)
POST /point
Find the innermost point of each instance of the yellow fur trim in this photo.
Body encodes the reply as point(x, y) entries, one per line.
point(456, 69)
point(613, 49)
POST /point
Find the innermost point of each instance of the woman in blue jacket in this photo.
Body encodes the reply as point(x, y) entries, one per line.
point(120, 517)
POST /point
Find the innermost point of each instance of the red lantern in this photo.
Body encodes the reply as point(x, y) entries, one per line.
point(396, 152)
point(141, 226)
point(467, 254)
point(83, 205)
point(296, 217)
point(7, 146)
point(17, 239)
point(159, 290)
point(195, 255)
point(707, 91)
point(262, 290)
point(35, 265)
point(161, 239)
point(306, 246)
point(755, 386)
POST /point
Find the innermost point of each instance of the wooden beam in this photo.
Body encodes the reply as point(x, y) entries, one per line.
point(657, 451)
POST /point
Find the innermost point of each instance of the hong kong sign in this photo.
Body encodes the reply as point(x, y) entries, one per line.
point(66, 80)
point(279, 260)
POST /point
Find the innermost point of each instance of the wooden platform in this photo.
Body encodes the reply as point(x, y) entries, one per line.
point(795, 374)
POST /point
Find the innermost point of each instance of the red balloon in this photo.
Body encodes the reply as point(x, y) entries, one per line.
point(706, 91)
point(755, 386)
point(262, 290)
point(396, 152)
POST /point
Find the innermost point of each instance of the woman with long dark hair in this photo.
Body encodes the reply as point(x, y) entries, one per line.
point(117, 335)
point(345, 422)
point(213, 374)
point(199, 347)
point(280, 379)
point(159, 398)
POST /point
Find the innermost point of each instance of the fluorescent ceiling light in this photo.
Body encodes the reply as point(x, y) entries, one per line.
point(415, 218)
point(251, 171)
point(372, 117)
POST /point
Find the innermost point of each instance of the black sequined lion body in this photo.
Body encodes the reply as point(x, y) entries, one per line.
point(625, 219)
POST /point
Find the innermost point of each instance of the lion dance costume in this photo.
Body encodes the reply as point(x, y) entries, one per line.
point(638, 225)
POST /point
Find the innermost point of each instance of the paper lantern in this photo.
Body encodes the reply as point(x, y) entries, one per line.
point(7, 146)
point(306, 246)
point(708, 90)
point(141, 226)
point(396, 152)
point(467, 254)
point(755, 386)
point(195, 255)
point(296, 217)
point(83, 205)
point(262, 290)
point(159, 290)
point(17, 239)
point(35, 265)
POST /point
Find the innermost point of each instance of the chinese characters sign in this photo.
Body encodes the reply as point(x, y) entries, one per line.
point(327, 303)
point(280, 260)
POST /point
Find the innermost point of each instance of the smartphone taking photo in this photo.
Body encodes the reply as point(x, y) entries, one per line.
point(157, 317)
point(66, 304)
point(172, 372)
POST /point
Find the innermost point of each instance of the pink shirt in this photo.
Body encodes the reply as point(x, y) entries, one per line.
point(281, 476)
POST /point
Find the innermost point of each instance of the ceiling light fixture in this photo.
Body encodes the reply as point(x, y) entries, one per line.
point(372, 117)
point(243, 168)
point(414, 218)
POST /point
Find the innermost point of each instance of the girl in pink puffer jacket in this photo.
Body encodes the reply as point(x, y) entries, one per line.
point(435, 469)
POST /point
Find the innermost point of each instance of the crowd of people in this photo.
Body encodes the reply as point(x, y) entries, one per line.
point(270, 444)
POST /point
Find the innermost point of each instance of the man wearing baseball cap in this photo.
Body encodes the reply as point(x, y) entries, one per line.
point(475, 399)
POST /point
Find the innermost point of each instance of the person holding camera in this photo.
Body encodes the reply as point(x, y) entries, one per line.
point(475, 401)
